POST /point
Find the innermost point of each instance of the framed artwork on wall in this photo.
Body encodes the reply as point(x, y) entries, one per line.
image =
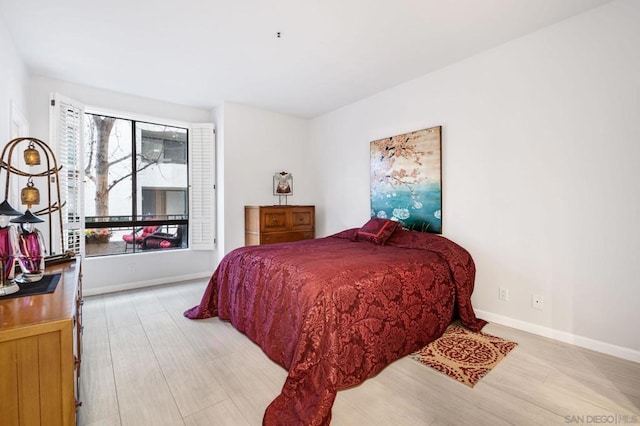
point(406, 179)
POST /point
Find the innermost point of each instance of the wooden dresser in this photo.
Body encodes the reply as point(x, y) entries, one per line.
point(40, 353)
point(278, 224)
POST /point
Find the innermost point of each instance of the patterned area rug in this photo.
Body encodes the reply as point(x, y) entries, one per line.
point(464, 355)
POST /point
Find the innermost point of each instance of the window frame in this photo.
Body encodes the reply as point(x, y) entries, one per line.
point(67, 135)
point(137, 220)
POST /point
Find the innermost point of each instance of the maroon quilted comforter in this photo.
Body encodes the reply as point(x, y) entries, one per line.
point(334, 311)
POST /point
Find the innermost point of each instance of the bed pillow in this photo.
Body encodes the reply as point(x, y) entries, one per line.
point(377, 230)
point(347, 234)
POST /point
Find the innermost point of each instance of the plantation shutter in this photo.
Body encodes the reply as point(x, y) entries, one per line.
point(66, 134)
point(202, 188)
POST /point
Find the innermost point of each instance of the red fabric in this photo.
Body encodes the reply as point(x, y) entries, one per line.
point(334, 311)
point(146, 231)
point(461, 264)
point(377, 230)
point(128, 238)
point(156, 243)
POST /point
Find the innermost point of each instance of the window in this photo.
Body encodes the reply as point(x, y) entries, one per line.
point(135, 186)
point(194, 148)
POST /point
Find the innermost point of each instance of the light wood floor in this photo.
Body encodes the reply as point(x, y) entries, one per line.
point(145, 364)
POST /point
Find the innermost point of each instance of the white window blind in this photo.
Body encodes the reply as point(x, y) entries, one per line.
point(66, 127)
point(202, 186)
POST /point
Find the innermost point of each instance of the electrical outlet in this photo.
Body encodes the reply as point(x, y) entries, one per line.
point(132, 267)
point(537, 301)
point(503, 294)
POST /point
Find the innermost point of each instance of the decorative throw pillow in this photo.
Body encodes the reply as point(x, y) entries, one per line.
point(378, 230)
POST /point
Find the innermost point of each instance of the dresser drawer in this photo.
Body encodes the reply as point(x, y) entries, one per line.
point(302, 220)
point(285, 237)
point(275, 220)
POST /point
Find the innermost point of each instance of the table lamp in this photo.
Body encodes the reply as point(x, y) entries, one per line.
point(31, 248)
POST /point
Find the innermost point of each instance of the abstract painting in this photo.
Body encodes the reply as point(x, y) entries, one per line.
point(406, 179)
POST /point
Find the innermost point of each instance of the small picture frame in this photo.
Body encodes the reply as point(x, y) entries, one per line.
point(283, 184)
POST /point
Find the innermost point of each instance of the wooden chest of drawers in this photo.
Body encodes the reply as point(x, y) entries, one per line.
point(40, 353)
point(278, 224)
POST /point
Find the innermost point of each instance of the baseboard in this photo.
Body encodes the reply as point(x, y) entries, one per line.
point(562, 336)
point(141, 284)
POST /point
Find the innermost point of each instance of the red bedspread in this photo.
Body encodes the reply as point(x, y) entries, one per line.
point(334, 312)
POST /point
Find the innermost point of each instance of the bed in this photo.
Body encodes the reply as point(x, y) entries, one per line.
point(335, 311)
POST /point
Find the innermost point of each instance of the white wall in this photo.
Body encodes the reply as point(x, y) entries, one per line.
point(14, 80)
point(257, 144)
point(105, 274)
point(541, 146)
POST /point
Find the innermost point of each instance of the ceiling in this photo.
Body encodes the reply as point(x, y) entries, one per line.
point(202, 52)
